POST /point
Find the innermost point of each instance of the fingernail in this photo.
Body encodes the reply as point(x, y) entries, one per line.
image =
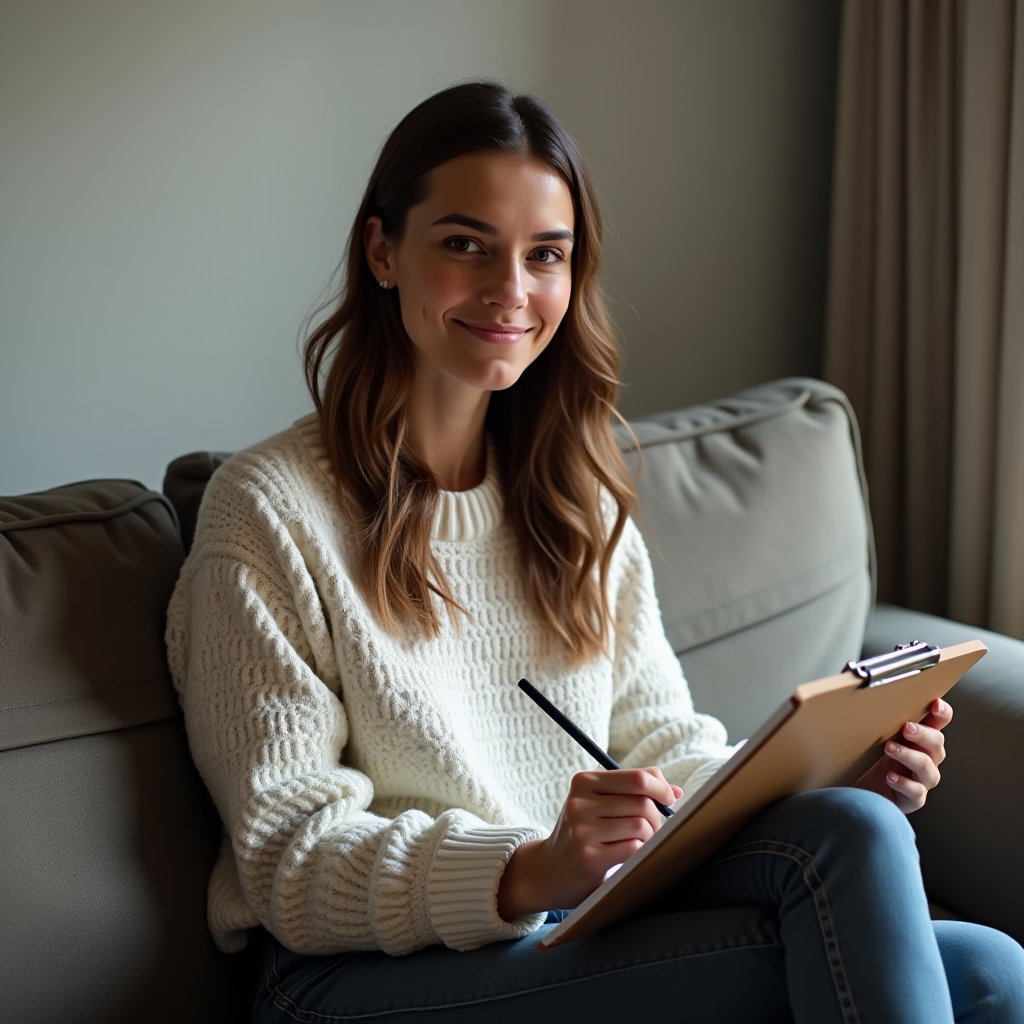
point(892, 748)
point(892, 777)
point(911, 728)
point(942, 705)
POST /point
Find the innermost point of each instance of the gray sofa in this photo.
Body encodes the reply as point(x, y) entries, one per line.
point(755, 513)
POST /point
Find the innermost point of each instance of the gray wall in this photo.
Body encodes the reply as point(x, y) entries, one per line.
point(176, 182)
point(709, 125)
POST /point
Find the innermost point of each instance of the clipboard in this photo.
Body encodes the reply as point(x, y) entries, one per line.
point(828, 733)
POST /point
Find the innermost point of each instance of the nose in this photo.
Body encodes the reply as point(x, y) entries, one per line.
point(505, 287)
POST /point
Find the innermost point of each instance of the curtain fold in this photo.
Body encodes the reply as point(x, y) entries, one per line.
point(987, 40)
point(1007, 590)
point(925, 321)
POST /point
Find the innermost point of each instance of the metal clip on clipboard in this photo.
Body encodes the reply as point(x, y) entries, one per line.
point(906, 660)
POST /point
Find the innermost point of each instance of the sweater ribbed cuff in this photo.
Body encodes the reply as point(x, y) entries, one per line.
point(462, 888)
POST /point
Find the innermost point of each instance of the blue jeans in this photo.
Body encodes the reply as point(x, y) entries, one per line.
point(814, 913)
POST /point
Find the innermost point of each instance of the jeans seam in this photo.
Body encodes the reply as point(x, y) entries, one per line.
point(288, 1006)
point(805, 860)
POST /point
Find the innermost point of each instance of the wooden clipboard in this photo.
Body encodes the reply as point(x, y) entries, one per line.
point(827, 734)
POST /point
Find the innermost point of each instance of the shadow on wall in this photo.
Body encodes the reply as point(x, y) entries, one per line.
point(709, 126)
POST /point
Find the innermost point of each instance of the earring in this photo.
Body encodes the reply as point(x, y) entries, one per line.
point(383, 284)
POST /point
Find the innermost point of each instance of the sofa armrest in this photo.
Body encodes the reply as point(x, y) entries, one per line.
point(970, 832)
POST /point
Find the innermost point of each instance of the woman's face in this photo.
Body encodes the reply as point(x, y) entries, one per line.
point(483, 270)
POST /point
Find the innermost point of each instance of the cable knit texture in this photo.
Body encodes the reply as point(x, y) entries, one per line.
point(373, 786)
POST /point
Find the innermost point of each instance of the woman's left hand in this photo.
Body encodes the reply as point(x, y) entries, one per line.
point(910, 765)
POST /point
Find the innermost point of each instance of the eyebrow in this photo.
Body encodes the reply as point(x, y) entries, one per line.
point(489, 229)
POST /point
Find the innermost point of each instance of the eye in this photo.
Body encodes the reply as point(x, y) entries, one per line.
point(463, 245)
point(548, 256)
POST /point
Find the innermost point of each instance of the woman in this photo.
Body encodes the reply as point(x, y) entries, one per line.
point(366, 588)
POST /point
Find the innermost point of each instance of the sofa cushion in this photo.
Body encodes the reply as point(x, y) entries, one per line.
point(184, 482)
point(754, 509)
point(108, 834)
point(81, 626)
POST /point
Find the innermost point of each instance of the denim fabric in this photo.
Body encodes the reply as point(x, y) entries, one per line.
point(814, 913)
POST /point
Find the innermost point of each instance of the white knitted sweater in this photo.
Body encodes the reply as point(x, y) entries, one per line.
point(372, 786)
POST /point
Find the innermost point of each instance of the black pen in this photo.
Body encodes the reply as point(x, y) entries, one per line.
point(577, 734)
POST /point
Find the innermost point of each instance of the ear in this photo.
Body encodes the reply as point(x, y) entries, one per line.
point(379, 251)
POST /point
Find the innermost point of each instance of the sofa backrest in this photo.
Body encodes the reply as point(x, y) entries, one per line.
point(108, 835)
point(754, 509)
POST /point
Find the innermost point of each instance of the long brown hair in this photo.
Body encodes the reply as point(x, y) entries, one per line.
point(551, 430)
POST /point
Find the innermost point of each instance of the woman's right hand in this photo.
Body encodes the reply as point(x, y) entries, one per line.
point(606, 818)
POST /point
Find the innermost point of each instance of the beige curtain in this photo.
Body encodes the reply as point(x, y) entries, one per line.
point(926, 295)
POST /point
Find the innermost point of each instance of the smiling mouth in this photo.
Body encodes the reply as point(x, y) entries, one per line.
point(496, 334)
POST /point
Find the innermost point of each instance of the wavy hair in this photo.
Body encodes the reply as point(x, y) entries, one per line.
point(557, 456)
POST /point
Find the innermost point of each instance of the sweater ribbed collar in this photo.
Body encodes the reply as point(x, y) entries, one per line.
point(460, 516)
